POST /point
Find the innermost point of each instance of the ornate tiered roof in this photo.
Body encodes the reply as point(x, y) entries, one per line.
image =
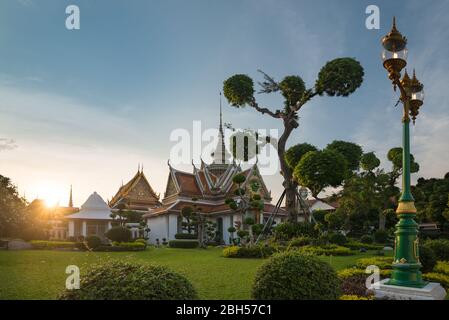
point(137, 194)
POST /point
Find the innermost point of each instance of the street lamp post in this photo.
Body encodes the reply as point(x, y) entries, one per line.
point(406, 265)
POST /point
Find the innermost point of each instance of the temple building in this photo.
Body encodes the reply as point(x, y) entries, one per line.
point(210, 185)
point(137, 194)
point(93, 219)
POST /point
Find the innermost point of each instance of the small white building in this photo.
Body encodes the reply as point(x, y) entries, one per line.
point(94, 218)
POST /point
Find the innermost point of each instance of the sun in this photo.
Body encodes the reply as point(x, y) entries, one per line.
point(50, 192)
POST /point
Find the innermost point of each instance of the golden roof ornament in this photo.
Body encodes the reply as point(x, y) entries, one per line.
point(394, 41)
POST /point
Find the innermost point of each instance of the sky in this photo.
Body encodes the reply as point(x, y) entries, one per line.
point(84, 107)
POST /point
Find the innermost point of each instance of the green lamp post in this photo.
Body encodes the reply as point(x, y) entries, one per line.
point(406, 265)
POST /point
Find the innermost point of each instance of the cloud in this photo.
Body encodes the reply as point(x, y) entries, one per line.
point(7, 144)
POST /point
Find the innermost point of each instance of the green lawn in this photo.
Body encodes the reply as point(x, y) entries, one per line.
point(41, 274)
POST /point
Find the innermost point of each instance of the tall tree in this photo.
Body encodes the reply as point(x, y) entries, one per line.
point(339, 77)
point(320, 169)
point(11, 209)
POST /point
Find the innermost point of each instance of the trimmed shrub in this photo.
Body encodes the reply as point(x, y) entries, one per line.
point(353, 281)
point(355, 245)
point(381, 262)
point(338, 238)
point(442, 267)
point(130, 246)
point(327, 250)
point(119, 234)
point(42, 244)
point(286, 231)
point(140, 240)
point(186, 236)
point(248, 252)
point(118, 280)
point(440, 247)
point(93, 242)
point(366, 239)
point(442, 278)
point(185, 244)
point(381, 236)
point(300, 241)
point(427, 258)
point(293, 276)
point(356, 297)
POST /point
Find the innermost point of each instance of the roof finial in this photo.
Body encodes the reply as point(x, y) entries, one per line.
point(141, 169)
point(70, 198)
point(394, 23)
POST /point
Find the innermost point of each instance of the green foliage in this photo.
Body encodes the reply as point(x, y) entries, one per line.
point(119, 234)
point(366, 239)
point(248, 221)
point(300, 241)
point(427, 258)
point(320, 169)
point(48, 245)
point(338, 238)
point(381, 236)
point(186, 244)
point(442, 267)
point(116, 280)
point(294, 276)
point(93, 242)
point(294, 154)
point(355, 245)
point(395, 156)
point(440, 247)
point(352, 153)
point(232, 229)
point(242, 233)
point(292, 88)
point(12, 206)
point(258, 251)
point(257, 229)
point(239, 90)
point(239, 178)
point(384, 263)
point(287, 230)
point(340, 77)
point(432, 197)
point(184, 236)
point(125, 246)
point(441, 278)
point(326, 250)
point(355, 297)
point(369, 161)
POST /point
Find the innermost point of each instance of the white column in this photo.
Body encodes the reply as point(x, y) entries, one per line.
point(109, 225)
point(71, 228)
point(84, 229)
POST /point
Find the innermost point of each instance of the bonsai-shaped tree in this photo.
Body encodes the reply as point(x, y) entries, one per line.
point(196, 221)
point(339, 77)
point(246, 202)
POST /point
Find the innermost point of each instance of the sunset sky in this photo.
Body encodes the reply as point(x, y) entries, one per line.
point(84, 107)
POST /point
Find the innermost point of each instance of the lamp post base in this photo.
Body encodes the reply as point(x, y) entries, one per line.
point(432, 291)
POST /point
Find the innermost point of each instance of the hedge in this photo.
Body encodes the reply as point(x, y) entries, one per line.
point(185, 244)
point(43, 244)
point(248, 252)
point(440, 247)
point(356, 245)
point(327, 250)
point(356, 297)
point(442, 278)
point(186, 236)
point(381, 262)
point(442, 267)
point(122, 246)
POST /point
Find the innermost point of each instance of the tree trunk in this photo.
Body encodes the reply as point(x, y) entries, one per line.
point(286, 171)
point(382, 220)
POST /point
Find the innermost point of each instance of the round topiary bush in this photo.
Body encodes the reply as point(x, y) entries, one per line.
point(293, 276)
point(428, 259)
point(119, 234)
point(337, 238)
point(366, 239)
point(440, 247)
point(93, 242)
point(381, 236)
point(117, 280)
